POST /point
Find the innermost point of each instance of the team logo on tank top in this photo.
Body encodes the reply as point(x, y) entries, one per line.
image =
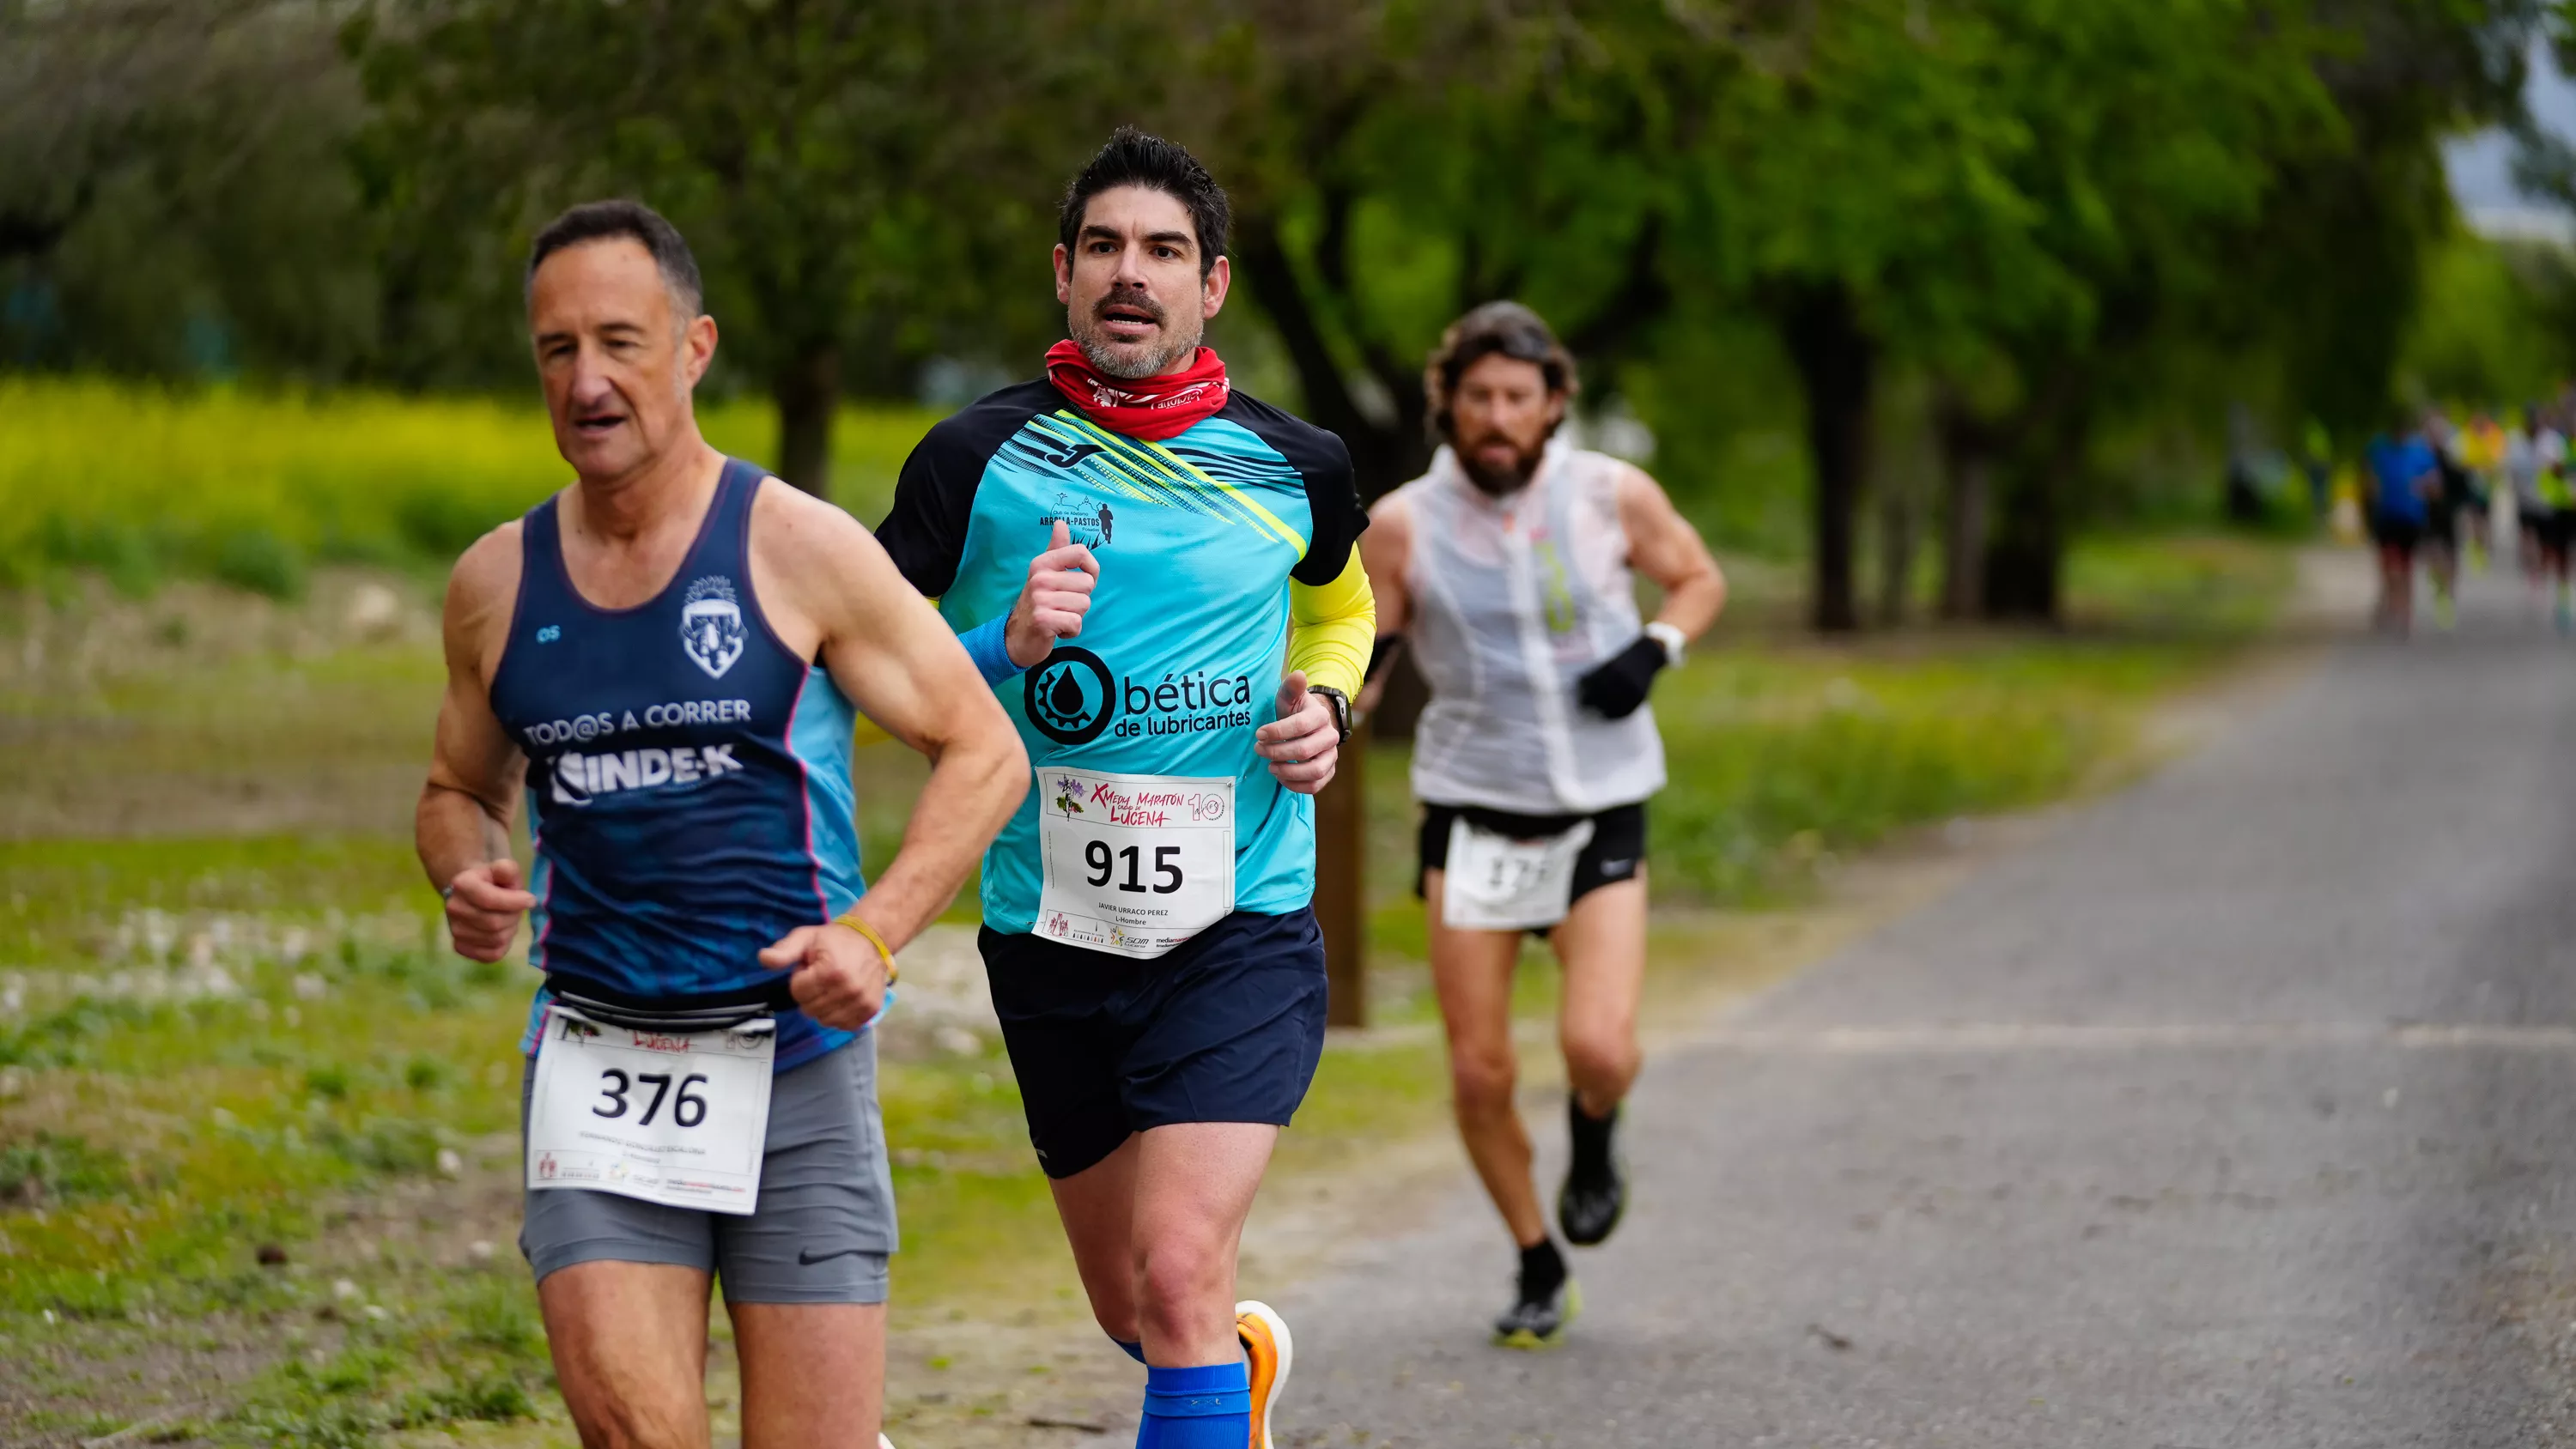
point(711, 631)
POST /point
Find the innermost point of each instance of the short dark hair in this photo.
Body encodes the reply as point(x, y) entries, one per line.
point(603, 220)
point(1135, 158)
point(1505, 328)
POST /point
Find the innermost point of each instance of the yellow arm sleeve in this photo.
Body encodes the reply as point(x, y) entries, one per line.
point(1332, 627)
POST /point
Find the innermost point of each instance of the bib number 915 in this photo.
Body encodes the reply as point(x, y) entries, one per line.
point(687, 1110)
point(1104, 864)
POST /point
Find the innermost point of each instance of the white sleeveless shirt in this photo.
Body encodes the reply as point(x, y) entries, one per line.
point(1514, 600)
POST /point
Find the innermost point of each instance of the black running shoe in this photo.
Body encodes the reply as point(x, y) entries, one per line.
point(1596, 1184)
point(1539, 1320)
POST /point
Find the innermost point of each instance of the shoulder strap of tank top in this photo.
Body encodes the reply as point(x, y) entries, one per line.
point(541, 558)
point(727, 536)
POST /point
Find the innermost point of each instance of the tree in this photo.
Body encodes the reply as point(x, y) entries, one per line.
point(1395, 164)
point(838, 164)
point(171, 195)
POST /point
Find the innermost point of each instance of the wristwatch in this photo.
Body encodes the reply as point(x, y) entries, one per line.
point(1341, 704)
point(1670, 637)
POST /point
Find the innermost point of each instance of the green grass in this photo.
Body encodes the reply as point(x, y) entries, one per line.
point(254, 488)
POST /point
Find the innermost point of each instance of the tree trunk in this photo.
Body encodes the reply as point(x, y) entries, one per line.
point(1900, 529)
point(1835, 361)
point(1967, 474)
point(1382, 457)
point(2024, 558)
point(808, 390)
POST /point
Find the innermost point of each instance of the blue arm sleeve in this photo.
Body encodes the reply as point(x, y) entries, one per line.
point(984, 646)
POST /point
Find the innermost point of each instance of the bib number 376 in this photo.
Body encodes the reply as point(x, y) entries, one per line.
point(1133, 864)
point(669, 1118)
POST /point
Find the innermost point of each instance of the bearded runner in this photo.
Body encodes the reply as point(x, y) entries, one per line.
point(1179, 655)
point(1508, 570)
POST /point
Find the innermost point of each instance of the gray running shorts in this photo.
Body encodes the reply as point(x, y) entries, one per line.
point(825, 1223)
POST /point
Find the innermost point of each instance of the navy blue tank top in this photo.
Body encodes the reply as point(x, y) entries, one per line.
point(688, 775)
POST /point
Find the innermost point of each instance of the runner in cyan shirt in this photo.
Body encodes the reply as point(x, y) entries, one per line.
point(1158, 974)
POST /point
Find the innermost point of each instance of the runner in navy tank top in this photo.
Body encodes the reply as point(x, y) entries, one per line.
point(665, 662)
point(688, 776)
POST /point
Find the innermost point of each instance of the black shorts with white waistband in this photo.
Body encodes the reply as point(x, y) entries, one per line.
point(1617, 848)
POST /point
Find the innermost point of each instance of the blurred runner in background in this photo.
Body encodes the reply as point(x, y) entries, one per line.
point(2480, 451)
point(2316, 462)
point(2555, 527)
point(2522, 485)
point(1507, 569)
point(2405, 479)
point(2441, 547)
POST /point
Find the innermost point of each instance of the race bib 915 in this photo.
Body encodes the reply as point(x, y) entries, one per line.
point(1133, 864)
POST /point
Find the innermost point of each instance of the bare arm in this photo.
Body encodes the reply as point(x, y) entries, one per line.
point(1386, 551)
point(1665, 548)
point(462, 826)
point(897, 660)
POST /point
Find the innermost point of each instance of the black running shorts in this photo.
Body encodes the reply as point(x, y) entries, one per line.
point(2391, 532)
point(1225, 1027)
point(1617, 848)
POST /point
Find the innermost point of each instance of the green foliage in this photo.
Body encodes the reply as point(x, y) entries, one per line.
point(260, 561)
point(246, 487)
point(2498, 323)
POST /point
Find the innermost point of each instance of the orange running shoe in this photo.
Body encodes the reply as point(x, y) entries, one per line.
point(1268, 1349)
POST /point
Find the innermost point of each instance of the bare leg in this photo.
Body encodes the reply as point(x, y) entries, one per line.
point(630, 1351)
point(1194, 1187)
point(1098, 1209)
point(1472, 972)
point(813, 1374)
point(1602, 943)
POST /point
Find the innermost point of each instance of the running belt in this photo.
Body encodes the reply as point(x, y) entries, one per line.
point(676, 1015)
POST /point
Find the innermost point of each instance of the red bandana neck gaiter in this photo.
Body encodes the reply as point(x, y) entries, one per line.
point(1155, 409)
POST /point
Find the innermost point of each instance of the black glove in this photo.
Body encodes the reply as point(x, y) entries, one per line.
point(1618, 685)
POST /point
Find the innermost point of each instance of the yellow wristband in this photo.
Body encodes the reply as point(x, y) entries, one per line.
point(850, 918)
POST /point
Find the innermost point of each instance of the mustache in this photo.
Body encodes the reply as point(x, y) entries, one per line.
point(1137, 302)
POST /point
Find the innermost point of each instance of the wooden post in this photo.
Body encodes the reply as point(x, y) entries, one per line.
point(1341, 836)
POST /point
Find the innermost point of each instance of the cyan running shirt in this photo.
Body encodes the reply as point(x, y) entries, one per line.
point(688, 775)
point(1181, 653)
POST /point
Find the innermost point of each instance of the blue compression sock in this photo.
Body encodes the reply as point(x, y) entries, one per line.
point(1135, 1350)
point(1209, 1407)
point(984, 645)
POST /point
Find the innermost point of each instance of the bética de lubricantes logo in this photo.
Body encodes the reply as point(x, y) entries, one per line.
point(1073, 697)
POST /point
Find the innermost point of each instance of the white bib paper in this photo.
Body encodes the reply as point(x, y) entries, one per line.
point(676, 1119)
point(1496, 883)
point(1133, 864)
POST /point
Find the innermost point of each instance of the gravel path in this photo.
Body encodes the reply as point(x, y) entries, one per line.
point(2237, 1112)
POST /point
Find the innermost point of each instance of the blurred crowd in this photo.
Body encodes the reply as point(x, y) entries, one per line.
point(2437, 492)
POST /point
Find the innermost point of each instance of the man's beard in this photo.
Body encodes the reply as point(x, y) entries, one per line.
point(1505, 482)
point(1112, 358)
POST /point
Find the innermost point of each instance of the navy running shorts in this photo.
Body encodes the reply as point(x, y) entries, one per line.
point(2401, 535)
point(1617, 847)
point(820, 1232)
point(1225, 1027)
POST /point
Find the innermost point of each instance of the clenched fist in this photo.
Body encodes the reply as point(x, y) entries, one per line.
point(1053, 601)
point(1304, 743)
point(484, 904)
point(840, 979)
